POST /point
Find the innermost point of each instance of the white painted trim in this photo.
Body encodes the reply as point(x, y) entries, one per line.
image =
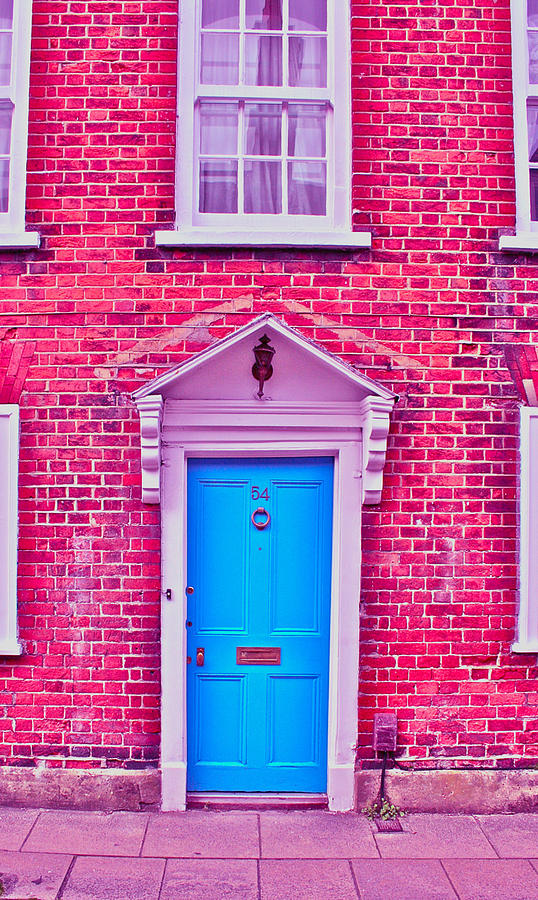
point(527, 636)
point(192, 439)
point(228, 237)
point(12, 222)
point(210, 353)
point(337, 94)
point(23, 240)
point(523, 240)
point(9, 469)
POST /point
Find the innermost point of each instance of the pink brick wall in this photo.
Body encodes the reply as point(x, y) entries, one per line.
point(427, 312)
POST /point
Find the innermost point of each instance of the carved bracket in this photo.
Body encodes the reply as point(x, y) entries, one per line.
point(151, 411)
point(375, 428)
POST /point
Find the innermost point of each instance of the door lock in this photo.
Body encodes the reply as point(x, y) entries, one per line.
point(200, 656)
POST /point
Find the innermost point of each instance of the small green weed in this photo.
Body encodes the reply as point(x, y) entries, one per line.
point(383, 809)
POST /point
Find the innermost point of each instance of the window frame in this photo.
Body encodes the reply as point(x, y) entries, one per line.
point(9, 463)
point(280, 230)
point(12, 222)
point(527, 620)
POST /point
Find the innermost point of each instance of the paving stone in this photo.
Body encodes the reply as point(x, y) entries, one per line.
point(14, 826)
point(306, 879)
point(433, 836)
point(88, 833)
point(493, 879)
point(513, 836)
point(32, 875)
point(114, 878)
point(402, 878)
point(204, 834)
point(316, 835)
point(210, 879)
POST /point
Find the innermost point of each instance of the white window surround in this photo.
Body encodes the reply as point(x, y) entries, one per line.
point(9, 480)
point(333, 230)
point(527, 637)
point(12, 223)
point(193, 424)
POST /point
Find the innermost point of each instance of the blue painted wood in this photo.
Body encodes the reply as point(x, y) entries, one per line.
point(258, 728)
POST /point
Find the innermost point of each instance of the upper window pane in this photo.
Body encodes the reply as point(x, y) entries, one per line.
point(6, 14)
point(264, 14)
point(5, 57)
point(308, 61)
point(220, 59)
point(310, 15)
point(220, 13)
point(263, 60)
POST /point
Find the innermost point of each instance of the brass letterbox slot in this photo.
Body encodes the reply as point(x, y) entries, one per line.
point(258, 656)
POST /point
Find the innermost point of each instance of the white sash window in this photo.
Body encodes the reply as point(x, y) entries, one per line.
point(264, 131)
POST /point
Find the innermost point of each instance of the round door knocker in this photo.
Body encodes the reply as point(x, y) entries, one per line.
point(260, 512)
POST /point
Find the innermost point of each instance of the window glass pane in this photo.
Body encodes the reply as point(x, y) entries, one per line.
point(306, 130)
point(220, 59)
point(263, 123)
point(218, 185)
point(6, 110)
point(4, 184)
point(533, 57)
point(218, 127)
point(532, 121)
point(306, 188)
point(266, 14)
point(308, 61)
point(534, 194)
point(263, 59)
point(219, 13)
point(532, 13)
point(309, 15)
point(5, 57)
point(263, 187)
point(6, 13)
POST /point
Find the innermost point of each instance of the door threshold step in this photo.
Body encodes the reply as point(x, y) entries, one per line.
point(225, 801)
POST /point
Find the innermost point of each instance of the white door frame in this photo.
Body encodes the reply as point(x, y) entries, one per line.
point(234, 429)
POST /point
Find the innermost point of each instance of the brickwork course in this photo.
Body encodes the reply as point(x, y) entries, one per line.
point(429, 312)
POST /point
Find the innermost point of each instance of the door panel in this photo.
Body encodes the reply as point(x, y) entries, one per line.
point(258, 727)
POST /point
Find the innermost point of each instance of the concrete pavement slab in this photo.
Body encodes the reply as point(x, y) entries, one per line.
point(203, 833)
point(513, 836)
point(316, 835)
point(406, 879)
point(35, 875)
point(210, 879)
point(88, 833)
point(493, 879)
point(114, 878)
point(306, 879)
point(14, 826)
point(435, 836)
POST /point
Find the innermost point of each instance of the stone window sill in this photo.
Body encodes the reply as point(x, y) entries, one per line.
point(19, 240)
point(225, 237)
point(522, 241)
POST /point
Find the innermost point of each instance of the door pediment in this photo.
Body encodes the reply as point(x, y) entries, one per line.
point(308, 383)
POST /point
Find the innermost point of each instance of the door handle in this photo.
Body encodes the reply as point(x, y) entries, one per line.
point(200, 656)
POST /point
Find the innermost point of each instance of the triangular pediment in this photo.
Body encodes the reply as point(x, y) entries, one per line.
point(303, 370)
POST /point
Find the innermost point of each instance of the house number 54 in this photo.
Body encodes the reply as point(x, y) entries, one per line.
point(255, 493)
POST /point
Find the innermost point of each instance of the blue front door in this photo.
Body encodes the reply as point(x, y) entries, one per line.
point(259, 563)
